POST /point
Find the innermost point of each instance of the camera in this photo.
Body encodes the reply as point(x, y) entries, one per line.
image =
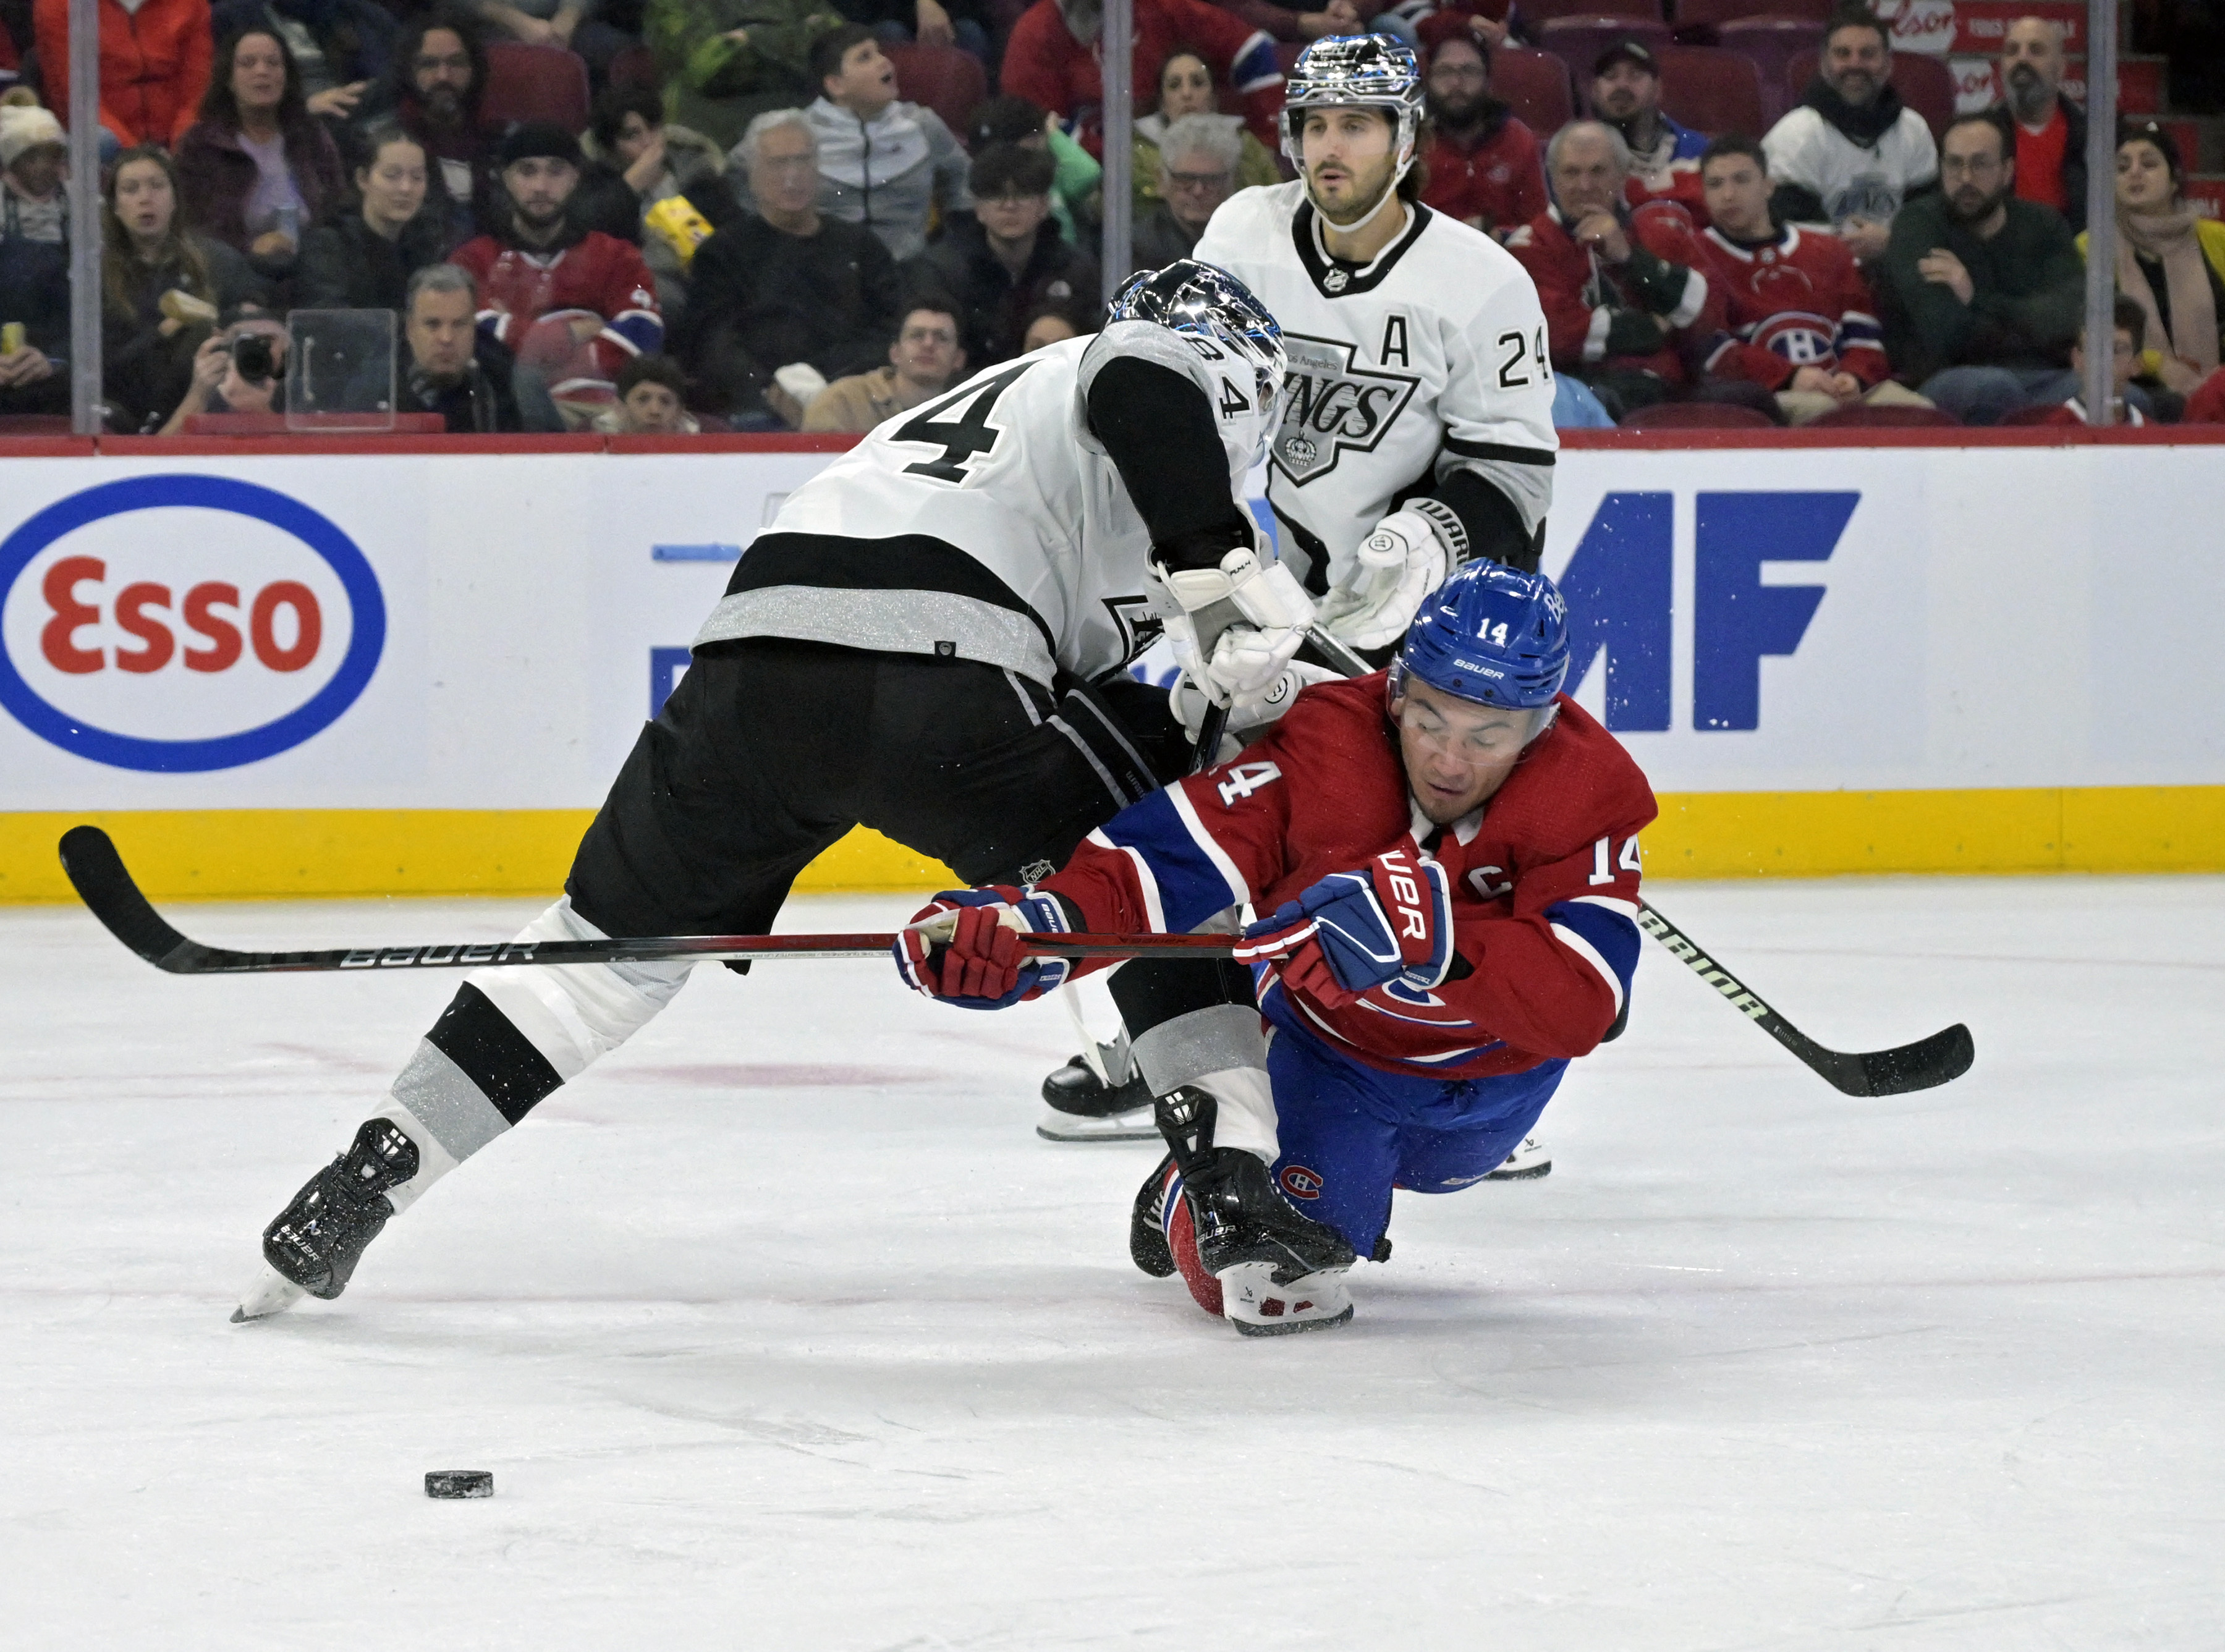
point(251, 357)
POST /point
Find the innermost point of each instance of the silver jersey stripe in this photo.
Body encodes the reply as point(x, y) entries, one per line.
point(885, 621)
point(1113, 789)
point(1138, 766)
point(440, 1097)
point(1203, 1042)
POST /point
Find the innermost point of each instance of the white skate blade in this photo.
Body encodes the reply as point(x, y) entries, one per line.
point(1529, 1160)
point(1134, 1125)
point(1253, 1302)
point(271, 1293)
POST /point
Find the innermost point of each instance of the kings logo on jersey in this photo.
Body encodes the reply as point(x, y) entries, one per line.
point(1333, 406)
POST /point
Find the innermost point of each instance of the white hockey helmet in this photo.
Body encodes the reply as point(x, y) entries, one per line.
point(1221, 321)
point(1356, 71)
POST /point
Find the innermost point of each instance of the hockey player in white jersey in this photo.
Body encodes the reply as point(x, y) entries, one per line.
point(1416, 430)
point(930, 639)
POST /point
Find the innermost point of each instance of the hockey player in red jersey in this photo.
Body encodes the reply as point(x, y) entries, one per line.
point(1445, 861)
point(575, 305)
point(1797, 318)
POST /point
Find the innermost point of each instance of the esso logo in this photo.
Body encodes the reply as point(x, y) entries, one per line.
point(183, 624)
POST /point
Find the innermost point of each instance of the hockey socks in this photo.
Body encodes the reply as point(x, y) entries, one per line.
point(506, 1040)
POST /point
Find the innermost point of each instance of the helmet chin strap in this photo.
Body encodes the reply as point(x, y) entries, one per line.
point(1389, 196)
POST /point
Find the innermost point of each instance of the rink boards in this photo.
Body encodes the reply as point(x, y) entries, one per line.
point(406, 668)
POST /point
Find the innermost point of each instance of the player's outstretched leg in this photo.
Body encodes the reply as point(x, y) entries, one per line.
point(507, 1039)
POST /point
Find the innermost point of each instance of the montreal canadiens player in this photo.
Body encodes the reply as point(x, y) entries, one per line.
point(930, 639)
point(1446, 855)
point(1417, 430)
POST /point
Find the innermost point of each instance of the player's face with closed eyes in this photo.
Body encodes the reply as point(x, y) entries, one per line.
point(1456, 752)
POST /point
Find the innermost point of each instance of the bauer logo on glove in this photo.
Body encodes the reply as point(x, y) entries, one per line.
point(1391, 920)
point(964, 947)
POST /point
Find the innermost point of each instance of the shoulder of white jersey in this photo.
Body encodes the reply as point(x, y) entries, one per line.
point(1463, 272)
point(1142, 341)
point(1237, 224)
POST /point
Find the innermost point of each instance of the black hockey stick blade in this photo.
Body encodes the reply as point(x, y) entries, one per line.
point(96, 872)
point(1944, 1056)
point(106, 887)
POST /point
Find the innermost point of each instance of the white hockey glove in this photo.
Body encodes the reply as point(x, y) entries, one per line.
point(1248, 721)
point(1234, 628)
point(1398, 565)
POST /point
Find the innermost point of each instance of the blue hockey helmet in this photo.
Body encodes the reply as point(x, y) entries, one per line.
point(1359, 72)
point(1490, 634)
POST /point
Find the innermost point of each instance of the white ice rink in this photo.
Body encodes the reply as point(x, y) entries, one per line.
point(782, 1329)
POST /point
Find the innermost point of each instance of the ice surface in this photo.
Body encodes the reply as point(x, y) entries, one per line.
point(782, 1329)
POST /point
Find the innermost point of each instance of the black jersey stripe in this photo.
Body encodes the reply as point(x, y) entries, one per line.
point(904, 563)
point(1499, 450)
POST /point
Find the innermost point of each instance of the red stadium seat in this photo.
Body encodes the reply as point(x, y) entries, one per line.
point(1700, 21)
point(534, 83)
point(1712, 91)
point(1770, 44)
point(1925, 84)
point(1578, 42)
point(1883, 418)
point(944, 78)
point(1697, 415)
point(1536, 84)
point(635, 66)
point(1535, 13)
point(35, 424)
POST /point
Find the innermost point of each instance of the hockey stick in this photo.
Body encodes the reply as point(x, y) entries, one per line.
point(99, 874)
point(1928, 1061)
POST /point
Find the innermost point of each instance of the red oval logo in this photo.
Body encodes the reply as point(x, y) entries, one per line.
point(1300, 1182)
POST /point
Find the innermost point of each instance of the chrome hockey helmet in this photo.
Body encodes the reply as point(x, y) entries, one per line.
point(1216, 311)
point(1356, 71)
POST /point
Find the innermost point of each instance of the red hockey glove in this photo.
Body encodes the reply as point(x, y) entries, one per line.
point(964, 947)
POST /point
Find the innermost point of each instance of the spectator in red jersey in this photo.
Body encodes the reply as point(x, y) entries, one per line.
point(2130, 339)
point(258, 168)
point(1051, 59)
point(154, 59)
point(1796, 314)
point(573, 306)
point(2051, 129)
point(1623, 306)
point(1481, 163)
point(1664, 157)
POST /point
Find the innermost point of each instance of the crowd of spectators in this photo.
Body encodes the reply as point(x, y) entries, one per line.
point(753, 229)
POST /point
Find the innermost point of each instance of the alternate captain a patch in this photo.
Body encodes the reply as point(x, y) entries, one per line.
point(1333, 406)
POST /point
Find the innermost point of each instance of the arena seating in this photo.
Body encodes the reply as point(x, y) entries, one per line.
point(1713, 90)
point(1700, 21)
point(1536, 84)
point(1770, 44)
point(1537, 13)
point(944, 78)
point(1860, 416)
point(1697, 415)
point(534, 83)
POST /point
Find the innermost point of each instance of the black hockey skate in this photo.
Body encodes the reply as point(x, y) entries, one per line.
point(1084, 1107)
point(1279, 1271)
point(319, 1238)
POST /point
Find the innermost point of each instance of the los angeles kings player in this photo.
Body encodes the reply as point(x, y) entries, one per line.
point(1417, 431)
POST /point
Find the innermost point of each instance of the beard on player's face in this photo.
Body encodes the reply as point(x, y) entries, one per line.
point(1967, 204)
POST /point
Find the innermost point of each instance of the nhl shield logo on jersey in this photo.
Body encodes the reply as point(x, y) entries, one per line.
point(1333, 406)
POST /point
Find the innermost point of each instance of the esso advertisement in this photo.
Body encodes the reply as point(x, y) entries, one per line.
point(1926, 26)
point(184, 623)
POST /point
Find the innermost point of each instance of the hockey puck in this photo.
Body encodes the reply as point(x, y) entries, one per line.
point(460, 1482)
